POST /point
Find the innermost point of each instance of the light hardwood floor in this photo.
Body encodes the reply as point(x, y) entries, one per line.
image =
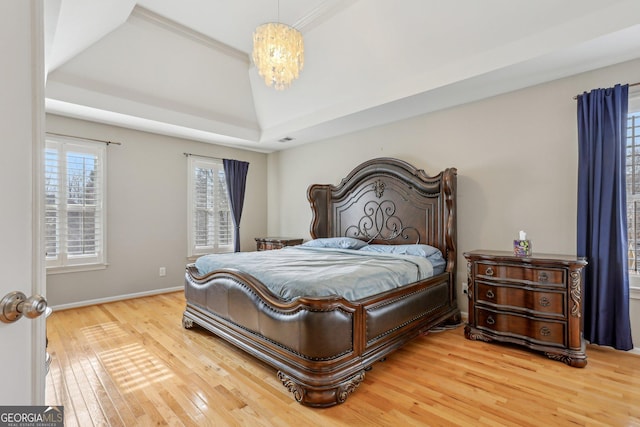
point(130, 363)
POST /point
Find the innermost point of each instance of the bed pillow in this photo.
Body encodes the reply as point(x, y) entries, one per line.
point(336, 243)
point(417, 250)
point(438, 262)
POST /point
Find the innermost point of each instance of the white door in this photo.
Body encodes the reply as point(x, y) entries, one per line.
point(21, 125)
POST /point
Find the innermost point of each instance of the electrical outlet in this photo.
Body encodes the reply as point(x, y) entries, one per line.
point(162, 272)
point(465, 287)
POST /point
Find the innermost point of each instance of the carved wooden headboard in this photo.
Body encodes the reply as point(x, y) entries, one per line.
point(389, 201)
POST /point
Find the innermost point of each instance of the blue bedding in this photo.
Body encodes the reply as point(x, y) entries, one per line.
point(317, 272)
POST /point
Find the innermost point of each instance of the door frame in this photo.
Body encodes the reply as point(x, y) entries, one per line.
point(38, 274)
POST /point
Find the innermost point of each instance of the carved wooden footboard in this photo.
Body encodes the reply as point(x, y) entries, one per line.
point(321, 347)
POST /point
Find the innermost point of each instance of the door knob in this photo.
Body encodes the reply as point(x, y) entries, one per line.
point(14, 305)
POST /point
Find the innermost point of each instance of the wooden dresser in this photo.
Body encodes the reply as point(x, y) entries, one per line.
point(534, 301)
point(268, 243)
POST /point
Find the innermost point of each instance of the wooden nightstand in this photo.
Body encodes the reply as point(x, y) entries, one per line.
point(534, 301)
point(268, 243)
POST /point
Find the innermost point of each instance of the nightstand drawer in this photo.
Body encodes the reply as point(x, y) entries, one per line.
point(532, 275)
point(522, 299)
point(522, 327)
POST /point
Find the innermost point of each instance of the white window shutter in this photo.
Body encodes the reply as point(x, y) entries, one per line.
point(74, 203)
point(210, 220)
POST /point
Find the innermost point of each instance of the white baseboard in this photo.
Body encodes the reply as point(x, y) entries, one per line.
point(116, 298)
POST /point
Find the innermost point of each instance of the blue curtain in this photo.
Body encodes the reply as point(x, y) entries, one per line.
point(602, 223)
point(235, 172)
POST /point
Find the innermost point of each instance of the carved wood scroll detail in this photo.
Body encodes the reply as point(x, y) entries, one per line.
point(476, 336)
point(559, 357)
point(349, 387)
point(576, 293)
point(341, 392)
point(378, 188)
point(469, 282)
point(292, 386)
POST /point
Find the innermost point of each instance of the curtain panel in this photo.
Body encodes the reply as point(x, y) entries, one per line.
point(235, 172)
point(602, 222)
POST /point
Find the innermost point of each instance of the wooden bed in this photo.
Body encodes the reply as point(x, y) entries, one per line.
point(321, 347)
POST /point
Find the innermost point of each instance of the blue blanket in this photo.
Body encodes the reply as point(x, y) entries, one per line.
point(298, 271)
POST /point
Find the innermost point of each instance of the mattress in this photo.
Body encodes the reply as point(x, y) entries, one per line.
point(300, 271)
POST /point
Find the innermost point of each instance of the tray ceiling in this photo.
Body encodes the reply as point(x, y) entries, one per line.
point(184, 69)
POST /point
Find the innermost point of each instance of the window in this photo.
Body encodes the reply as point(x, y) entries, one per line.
point(210, 220)
point(74, 203)
point(633, 189)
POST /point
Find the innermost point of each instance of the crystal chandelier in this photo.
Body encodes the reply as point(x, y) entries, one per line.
point(278, 52)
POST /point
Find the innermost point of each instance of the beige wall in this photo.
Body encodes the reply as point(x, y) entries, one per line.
point(516, 156)
point(147, 211)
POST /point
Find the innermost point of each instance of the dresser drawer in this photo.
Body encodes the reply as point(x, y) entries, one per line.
point(529, 329)
point(532, 275)
point(522, 299)
point(269, 243)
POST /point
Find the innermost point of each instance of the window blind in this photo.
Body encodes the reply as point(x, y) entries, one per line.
point(211, 223)
point(74, 203)
point(633, 190)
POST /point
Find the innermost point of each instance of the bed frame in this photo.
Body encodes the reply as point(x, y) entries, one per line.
point(322, 347)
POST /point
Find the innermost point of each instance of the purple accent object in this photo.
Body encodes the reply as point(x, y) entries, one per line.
point(522, 247)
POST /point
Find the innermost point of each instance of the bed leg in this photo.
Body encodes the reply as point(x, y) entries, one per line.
point(322, 396)
point(370, 367)
point(454, 319)
point(187, 323)
point(292, 386)
point(349, 386)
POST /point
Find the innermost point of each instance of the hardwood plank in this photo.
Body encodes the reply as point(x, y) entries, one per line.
point(79, 391)
point(131, 363)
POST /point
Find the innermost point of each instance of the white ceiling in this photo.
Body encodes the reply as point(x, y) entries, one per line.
point(183, 68)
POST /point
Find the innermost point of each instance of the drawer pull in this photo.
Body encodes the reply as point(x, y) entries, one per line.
point(545, 332)
point(491, 321)
point(490, 294)
point(545, 302)
point(489, 271)
point(543, 277)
